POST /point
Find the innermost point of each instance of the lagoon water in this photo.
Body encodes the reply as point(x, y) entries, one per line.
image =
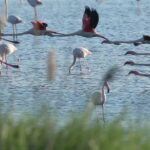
point(27, 89)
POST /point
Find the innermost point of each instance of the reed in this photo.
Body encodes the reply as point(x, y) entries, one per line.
point(41, 132)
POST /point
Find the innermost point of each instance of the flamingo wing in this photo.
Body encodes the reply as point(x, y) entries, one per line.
point(90, 19)
point(86, 19)
point(94, 19)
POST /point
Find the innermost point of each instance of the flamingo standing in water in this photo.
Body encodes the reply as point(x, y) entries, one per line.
point(135, 64)
point(99, 97)
point(12, 19)
point(39, 28)
point(89, 23)
point(135, 53)
point(138, 73)
point(5, 50)
point(34, 4)
point(80, 52)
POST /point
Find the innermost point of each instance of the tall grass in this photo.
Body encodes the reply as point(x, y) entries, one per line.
point(41, 132)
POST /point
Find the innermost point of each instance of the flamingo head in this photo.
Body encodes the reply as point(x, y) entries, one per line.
point(133, 72)
point(129, 63)
point(131, 53)
point(39, 2)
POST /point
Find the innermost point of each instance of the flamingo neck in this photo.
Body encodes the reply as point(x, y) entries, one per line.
point(103, 95)
point(6, 9)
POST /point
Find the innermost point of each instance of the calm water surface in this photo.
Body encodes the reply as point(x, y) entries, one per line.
point(27, 89)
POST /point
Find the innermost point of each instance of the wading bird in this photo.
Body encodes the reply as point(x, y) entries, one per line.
point(99, 97)
point(39, 28)
point(135, 64)
point(138, 73)
point(80, 52)
point(89, 23)
point(34, 4)
point(135, 53)
point(12, 19)
point(5, 50)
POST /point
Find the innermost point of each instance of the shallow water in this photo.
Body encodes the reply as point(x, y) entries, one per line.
point(25, 90)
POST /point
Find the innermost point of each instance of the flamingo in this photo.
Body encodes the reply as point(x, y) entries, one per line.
point(89, 23)
point(138, 73)
point(144, 40)
point(35, 3)
point(135, 64)
point(5, 50)
point(39, 28)
point(135, 53)
point(12, 19)
point(80, 52)
point(99, 97)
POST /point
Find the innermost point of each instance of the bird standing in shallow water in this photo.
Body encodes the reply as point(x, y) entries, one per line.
point(34, 4)
point(5, 50)
point(80, 52)
point(99, 97)
point(12, 19)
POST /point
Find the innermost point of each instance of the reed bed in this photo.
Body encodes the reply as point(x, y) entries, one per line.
point(41, 132)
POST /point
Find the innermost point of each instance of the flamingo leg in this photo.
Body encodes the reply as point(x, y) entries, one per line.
point(103, 114)
point(87, 65)
point(6, 61)
point(15, 27)
point(97, 114)
point(35, 12)
point(80, 65)
point(13, 32)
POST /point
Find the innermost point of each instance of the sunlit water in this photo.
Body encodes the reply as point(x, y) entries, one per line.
point(27, 89)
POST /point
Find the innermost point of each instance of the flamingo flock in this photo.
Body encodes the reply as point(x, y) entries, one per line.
point(90, 21)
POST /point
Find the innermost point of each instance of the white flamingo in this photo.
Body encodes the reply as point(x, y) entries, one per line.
point(99, 97)
point(135, 64)
point(5, 50)
point(12, 19)
point(34, 4)
point(138, 73)
point(89, 23)
point(135, 53)
point(80, 52)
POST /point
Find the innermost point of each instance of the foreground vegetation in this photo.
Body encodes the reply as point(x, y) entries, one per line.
point(42, 133)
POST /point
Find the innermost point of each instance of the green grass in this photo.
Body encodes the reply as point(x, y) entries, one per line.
point(80, 133)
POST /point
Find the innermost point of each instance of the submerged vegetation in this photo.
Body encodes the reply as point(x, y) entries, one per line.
point(43, 133)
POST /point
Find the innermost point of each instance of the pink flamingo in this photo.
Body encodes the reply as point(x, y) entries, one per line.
point(135, 53)
point(138, 73)
point(89, 23)
point(135, 64)
point(39, 28)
